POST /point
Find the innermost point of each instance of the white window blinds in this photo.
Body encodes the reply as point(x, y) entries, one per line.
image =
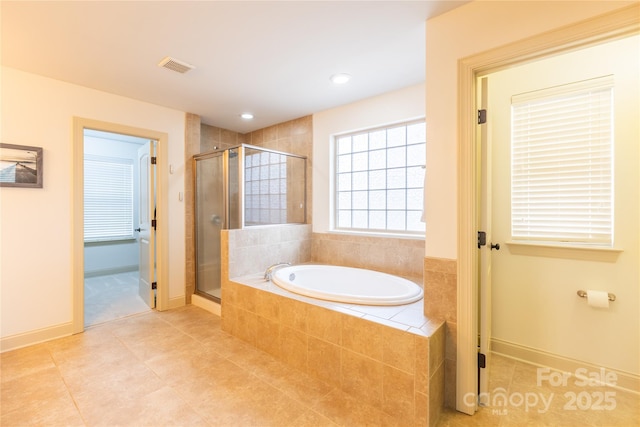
point(108, 198)
point(562, 164)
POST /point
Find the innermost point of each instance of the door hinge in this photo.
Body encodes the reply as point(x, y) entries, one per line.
point(482, 117)
point(482, 360)
point(154, 160)
point(154, 285)
point(482, 239)
point(153, 223)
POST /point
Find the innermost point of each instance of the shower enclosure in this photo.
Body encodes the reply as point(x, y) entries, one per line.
point(238, 187)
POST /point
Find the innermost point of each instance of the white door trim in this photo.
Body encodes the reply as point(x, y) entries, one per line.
point(77, 211)
point(617, 24)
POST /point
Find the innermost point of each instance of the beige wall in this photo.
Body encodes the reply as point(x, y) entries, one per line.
point(36, 246)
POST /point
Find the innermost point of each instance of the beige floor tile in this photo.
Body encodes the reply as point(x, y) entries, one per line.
point(179, 368)
point(345, 410)
point(560, 407)
point(291, 382)
point(313, 419)
point(24, 361)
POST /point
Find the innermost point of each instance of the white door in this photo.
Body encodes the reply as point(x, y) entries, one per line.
point(146, 226)
point(484, 252)
point(534, 304)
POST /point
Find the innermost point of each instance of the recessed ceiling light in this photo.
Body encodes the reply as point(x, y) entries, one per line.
point(246, 116)
point(340, 79)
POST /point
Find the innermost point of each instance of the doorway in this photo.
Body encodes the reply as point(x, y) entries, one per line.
point(596, 31)
point(583, 163)
point(116, 224)
point(150, 224)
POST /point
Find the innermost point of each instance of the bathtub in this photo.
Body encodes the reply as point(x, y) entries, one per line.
point(347, 285)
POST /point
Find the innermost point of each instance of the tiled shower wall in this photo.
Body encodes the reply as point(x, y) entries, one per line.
point(295, 137)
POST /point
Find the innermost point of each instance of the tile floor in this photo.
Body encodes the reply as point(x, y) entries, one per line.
point(575, 404)
point(111, 297)
point(179, 368)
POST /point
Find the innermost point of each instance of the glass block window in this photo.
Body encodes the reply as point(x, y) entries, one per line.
point(265, 186)
point(380, 178)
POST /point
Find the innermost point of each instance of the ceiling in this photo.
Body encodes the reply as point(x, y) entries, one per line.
point(271, 58)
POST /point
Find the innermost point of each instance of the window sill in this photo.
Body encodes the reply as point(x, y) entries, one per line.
point(585, 253)
point(374, 234)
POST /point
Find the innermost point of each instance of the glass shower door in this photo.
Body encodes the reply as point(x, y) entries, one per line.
point(210, 219)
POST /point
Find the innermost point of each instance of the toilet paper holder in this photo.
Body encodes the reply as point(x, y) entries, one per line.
point(583, 294)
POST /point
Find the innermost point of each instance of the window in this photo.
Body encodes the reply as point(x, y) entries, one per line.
point(108, 198)
point(265, 186)
point(562, 163)
point(380, 178)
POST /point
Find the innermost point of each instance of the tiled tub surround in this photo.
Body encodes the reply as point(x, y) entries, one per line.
point(253, 249)
point(440, 283)
point(402, 257)
point(390, 357)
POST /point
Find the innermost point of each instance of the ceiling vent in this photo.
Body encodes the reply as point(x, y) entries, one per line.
point(175, 65)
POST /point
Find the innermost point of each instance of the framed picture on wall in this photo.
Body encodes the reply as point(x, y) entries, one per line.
point(20, 166)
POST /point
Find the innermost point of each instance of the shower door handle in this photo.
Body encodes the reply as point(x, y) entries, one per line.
point(215, 219)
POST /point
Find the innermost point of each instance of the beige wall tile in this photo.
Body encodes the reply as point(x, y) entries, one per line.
point(422, 365)
point(324, 324)
point(363, 337)
point(268, 336)
point(399, 349)
point(436, 395)
point(362, 377)
point(324, 360)
point(293, 314)
point(450, 383)
point(293, 347)
point(246, 297)
point(398, 394)
point(440, 287)
point(268, 305)
point(246, 326)
point(436, 350)
point(421, 402)
point(402, 257)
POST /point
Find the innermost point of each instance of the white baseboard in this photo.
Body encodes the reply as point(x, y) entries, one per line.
point(624, 380)
point(25, 339)
point(176, 302)
point(109, 271)
point(206, 304)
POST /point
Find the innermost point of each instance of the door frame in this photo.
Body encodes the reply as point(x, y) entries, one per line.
point(620, 23)
point(77, 211)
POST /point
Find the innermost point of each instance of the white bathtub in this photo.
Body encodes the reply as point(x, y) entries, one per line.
point(347, 285)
